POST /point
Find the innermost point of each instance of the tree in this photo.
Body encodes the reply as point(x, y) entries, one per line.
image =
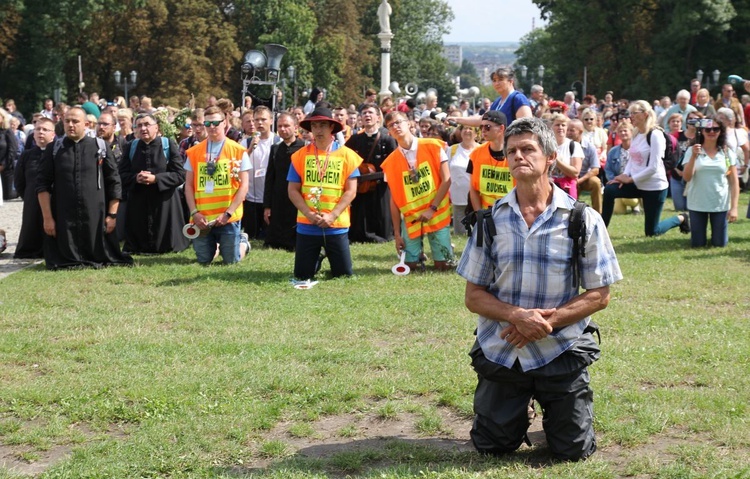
point(468, 74)
point(638, 48)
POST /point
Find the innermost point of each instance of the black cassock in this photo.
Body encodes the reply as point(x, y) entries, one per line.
point(31, 239)
point(371, 211)
point(81, 185)
point(154, 217)
point(281, 233)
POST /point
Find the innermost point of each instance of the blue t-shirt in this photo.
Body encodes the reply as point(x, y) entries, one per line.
point(515, 101)
point(304, 228)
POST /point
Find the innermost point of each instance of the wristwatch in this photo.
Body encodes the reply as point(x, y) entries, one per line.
point(433, 207)
point(112, 215)
point(229, 215)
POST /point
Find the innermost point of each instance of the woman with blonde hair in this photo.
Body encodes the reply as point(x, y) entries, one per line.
point(569, 157)
point(596, 135)
point(645, 176)
point(125, 119)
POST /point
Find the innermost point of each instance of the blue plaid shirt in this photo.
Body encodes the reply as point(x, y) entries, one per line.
point(531, 268)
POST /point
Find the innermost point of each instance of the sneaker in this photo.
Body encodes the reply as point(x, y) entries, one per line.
point(637, 210)
point(685, 225)
point(244, 238)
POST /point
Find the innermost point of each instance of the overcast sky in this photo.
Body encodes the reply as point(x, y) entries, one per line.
point(510, 20)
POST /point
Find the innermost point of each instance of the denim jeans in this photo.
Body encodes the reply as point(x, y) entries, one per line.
point(653, 202)
point(677, 187)
point(227, 237)
point(307, 254)
point(719, 231)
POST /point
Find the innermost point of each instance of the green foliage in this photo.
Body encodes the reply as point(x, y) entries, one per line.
point(637, 48)
point(193, 47)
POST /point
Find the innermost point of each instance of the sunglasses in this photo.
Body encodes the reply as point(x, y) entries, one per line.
point(487, 127)
point(588, 119)
point(212, 123)
point(187, 126)
point(713, 129)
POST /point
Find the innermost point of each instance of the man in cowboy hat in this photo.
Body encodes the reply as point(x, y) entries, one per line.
point(322, 184)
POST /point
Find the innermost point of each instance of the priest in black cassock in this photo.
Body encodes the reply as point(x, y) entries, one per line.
point(370, 211)
point(279, 212)
point(79, 191)
point(31, 239)
point(152, 170)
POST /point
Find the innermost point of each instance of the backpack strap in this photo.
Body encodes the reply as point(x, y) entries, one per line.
point(102, 146)
point(133, 146)
point(164, 146)
point(485, 225)
point(56, 147)
point(577, 232)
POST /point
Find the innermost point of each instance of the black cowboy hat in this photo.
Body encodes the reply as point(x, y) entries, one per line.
point(321, 114)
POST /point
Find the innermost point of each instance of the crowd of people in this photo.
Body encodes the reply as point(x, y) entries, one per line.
point(101, 181)
point(609, 152)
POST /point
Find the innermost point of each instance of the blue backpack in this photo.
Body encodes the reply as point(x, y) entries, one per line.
point(164, 146)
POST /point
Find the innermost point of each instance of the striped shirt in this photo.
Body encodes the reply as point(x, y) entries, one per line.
point(530, 268)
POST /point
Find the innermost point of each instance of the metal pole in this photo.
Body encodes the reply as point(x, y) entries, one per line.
point(126, 91)
point(585, 73)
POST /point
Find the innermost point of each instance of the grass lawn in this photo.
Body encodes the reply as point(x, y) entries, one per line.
point(169, 369)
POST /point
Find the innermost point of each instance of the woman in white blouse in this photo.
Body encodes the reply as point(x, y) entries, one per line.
point(644, 176)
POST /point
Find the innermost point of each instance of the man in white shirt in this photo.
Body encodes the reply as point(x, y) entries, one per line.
point(258, 149)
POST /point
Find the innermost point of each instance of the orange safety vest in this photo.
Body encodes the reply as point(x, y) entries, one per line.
point(413, 198)
point(226, 179)
point(332, 184)
point(490, 177)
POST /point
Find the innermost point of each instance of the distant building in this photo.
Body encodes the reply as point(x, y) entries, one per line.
point(453, 53)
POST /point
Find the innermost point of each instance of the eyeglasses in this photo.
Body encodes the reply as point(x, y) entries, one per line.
point(212, 123)
point(713, 129)
point(397, 122)
point(144, 125)
point(487, 126)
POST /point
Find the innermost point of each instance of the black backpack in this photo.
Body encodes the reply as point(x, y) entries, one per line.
point(671, 156)
point(576, 232)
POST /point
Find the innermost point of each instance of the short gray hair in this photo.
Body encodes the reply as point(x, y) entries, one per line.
point(728, 114)
point(536, 127)
point(537, 88)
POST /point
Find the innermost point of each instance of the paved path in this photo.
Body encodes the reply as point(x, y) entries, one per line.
point(10, 221)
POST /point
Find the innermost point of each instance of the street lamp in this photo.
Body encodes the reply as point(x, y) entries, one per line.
point(540, 73)
point(715, 75)
point(524, 70)
point(290, 74)
point(124, 84)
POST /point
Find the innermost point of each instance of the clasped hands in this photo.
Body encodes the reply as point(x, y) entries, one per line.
point(145, 178)
point(322, 220)
point(529, 325)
